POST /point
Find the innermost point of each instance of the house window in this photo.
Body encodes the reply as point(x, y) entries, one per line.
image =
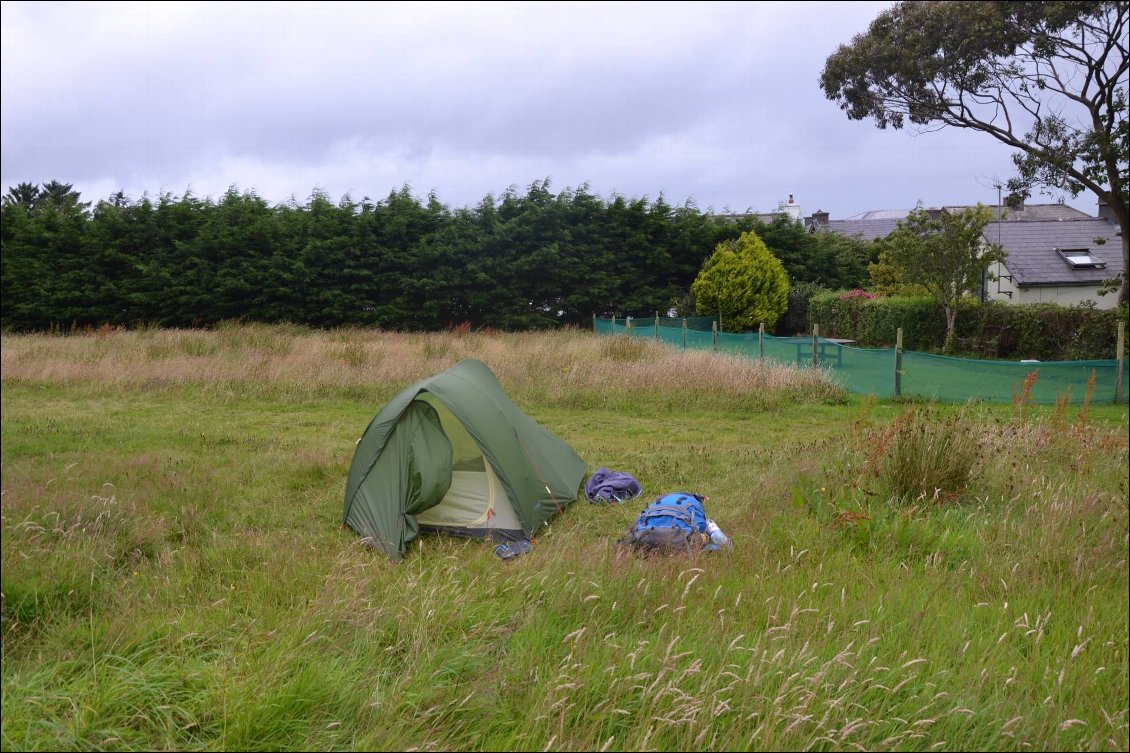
point(1080, 258)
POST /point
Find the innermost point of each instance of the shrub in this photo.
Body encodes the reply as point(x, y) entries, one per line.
point(745, 282)
point(873, 323)
point(1046, 331)
point(795, 320)
point(857, 293)
point(1043, 331)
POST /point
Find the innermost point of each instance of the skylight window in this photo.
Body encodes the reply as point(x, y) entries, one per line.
point(1081, 258)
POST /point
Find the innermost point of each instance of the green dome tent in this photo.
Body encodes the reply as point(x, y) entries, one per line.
point(452, 453)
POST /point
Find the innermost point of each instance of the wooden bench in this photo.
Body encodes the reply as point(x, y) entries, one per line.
point(828, 350)
point(987, 342)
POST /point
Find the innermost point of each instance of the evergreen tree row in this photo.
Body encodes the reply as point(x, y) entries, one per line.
point(520, 261)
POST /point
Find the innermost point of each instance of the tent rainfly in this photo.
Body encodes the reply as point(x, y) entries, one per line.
point(452, 453)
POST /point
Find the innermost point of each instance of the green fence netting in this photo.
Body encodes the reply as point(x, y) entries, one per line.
point(645, 325)
point(948, 378)
point(872, 370)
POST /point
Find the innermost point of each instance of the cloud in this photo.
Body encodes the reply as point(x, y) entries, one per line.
point(718, 103)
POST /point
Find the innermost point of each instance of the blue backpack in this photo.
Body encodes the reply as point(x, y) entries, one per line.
point(672, 523)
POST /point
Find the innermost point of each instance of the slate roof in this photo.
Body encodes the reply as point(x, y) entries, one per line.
point(1032, 212)
point(880, 214)
point(879, 223)
point(1032, 257)
point(868, 230)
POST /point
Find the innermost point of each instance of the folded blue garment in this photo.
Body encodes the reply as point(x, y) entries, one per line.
point(611, 486)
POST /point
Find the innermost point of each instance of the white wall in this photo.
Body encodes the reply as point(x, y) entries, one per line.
point(1064, 295)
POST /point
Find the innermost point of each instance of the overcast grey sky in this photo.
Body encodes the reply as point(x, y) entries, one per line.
point(717, 103)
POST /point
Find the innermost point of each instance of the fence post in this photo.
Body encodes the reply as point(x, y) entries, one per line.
point(815, 339)
point(714, 335)
point(613, 324)
point(656, 325)
point(684, 333)
point(761, 340)
point(628, 323)
point(594, 322)
point(1118, 354)
point(898, 362)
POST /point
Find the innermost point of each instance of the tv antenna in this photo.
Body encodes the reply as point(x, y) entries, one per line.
point(996, 183)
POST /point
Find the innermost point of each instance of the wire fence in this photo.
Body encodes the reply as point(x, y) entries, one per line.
point(892, 372)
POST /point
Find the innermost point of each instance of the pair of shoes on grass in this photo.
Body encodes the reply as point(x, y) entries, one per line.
point(512, 549)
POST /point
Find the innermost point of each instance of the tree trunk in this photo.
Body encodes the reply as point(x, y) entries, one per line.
point(1124, 224)
point(1116, 200)
point(951, 317)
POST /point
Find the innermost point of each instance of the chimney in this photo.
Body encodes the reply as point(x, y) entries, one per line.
point(1106, 212)
point(819, 218)
point(792, 209)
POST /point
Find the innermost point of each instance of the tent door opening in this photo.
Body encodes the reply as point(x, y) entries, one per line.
point(476, 504)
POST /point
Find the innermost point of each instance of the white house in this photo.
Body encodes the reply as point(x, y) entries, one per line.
point(1058, 256)
point(1054, 253)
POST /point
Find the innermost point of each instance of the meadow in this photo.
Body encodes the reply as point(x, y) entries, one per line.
point(905, 575)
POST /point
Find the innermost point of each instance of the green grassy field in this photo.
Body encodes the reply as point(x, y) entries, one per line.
point(175, 574)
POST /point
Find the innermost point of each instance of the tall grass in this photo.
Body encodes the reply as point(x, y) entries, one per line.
point(566, 368)
point(929, 457)
point(175, 576)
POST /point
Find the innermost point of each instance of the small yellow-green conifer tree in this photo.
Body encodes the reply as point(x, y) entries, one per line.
point(744, 282)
